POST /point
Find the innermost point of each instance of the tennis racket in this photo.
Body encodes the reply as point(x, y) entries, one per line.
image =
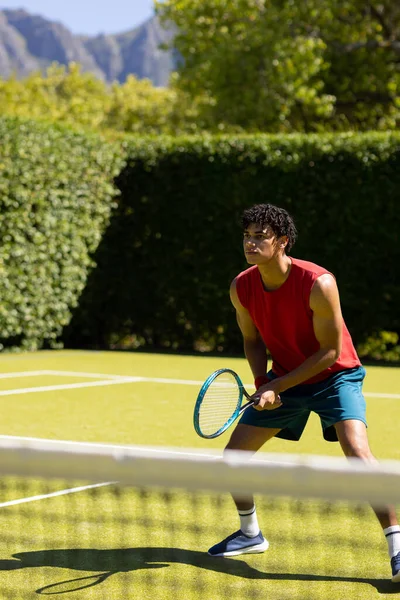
point(219, 403)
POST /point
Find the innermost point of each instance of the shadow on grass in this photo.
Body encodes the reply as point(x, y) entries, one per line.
point(106, 563)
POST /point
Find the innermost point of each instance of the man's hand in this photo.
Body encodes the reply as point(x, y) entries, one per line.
point(266, 398)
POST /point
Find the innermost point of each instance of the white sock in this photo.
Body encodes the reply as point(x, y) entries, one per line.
point(248, 522)
point(393, 539)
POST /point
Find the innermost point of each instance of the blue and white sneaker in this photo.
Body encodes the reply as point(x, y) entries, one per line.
point(395, 562)
point(238, 543)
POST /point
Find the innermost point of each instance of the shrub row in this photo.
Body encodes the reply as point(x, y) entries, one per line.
point(56, 195)
point(173, 245)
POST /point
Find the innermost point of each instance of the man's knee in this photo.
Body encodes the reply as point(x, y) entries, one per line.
point(354, 449)
point(352, 435)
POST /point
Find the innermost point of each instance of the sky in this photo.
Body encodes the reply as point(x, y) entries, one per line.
point(89, 16)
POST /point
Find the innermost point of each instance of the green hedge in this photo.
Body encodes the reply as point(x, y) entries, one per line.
point(174, 242)
point(56, 194)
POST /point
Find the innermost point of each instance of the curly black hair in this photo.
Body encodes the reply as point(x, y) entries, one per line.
point(277, 218)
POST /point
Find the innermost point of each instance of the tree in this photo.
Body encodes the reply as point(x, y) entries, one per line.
point(363, 53)
point(282, 65)
point(65, 94)
point(139, 107)
point(62, 94)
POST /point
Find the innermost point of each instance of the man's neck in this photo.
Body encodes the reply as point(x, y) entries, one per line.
point(275, 273)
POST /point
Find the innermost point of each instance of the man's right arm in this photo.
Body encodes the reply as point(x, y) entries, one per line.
point(254, 347)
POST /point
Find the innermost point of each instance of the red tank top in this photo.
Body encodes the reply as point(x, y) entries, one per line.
point(284, 319)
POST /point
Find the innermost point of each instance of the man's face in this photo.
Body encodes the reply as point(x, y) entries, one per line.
point(260, 244)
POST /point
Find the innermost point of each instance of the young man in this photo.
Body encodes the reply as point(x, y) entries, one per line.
point(292, 307)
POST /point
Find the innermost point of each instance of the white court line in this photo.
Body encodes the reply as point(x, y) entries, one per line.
point(115, 380)
point(54, 494)
point(23, 374)
point(170, 381)
point(18, 374)
point(246, 385)
point(69, 386)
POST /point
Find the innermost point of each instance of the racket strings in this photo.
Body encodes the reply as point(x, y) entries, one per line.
point(219, 403)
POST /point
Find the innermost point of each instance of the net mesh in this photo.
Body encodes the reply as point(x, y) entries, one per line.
point(95, 538)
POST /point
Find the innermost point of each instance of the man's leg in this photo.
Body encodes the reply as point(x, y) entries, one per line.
point(249, 539)
point(250, 439)
point(352, 435)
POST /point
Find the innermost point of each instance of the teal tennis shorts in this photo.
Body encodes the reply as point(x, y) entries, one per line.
point(337, 398)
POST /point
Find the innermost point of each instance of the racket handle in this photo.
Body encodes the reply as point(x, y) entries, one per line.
point(243, 408)
point(251, 403)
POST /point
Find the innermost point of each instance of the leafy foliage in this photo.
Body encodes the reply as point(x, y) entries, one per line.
point(247, 65)
point(174, 243)
point(56, 194)
point(381, 346)
point(281, 65)
point(66, 95)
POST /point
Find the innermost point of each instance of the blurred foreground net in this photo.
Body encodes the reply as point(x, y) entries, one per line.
point(68, 527)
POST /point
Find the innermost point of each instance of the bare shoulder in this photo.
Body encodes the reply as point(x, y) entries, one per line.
point(324, 292)
point(324, 284)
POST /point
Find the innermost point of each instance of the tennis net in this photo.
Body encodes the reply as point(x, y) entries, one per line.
point(113, 522)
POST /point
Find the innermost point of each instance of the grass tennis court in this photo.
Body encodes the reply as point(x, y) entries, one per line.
point(143, 399)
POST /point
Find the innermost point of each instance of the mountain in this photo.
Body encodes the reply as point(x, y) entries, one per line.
point(137, 51)
point(30, 42)
point(14, 55)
